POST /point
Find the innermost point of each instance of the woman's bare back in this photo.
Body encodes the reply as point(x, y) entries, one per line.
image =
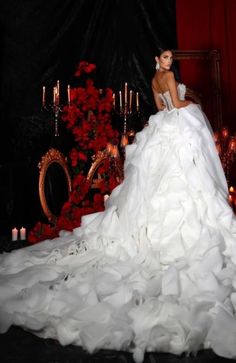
point(159, 82)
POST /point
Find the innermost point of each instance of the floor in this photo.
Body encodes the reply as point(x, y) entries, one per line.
point(19, 346)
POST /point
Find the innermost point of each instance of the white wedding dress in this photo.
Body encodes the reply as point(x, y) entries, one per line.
point(156, 271)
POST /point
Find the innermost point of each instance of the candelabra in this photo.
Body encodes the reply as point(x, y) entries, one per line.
point(226, 147)
point(126, 104)
point(56, 107)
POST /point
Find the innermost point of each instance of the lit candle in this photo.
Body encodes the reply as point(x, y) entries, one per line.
point(130, 100)
point(68, 94)
point(43, 100)
point(120, 95)
point(115, 152)
point(216, 136)
point(126, 90)
point(58, 92)
point(137, 100)
point(232, 198)
point(22, 233)
point(109, 147)
point(218, 148)
point(54, 95)
point(114, 100)
point(232, 144)
point(14, 234)
point(124, 140)
point(225, 132)
point(58, 86)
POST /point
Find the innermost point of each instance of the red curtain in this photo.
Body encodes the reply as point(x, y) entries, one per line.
point(205, 25)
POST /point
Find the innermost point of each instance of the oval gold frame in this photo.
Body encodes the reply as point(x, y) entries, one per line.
point(52, 156)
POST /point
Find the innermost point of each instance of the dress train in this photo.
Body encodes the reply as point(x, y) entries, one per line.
point(156, 271)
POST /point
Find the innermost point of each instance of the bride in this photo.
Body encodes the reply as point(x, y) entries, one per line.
point(156, 271)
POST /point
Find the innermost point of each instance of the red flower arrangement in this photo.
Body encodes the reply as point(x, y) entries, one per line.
point(88, 117)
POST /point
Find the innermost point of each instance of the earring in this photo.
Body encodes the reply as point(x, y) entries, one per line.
point(157, 66)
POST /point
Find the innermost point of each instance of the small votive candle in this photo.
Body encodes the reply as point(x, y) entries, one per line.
point(109, 147)
point(225, 132)
point(14, 234)
point(114, 151)
point(231, 189)
point(22, 233)
point(124, 140)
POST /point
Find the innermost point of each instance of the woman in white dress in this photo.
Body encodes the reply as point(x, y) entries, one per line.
point(156, 271)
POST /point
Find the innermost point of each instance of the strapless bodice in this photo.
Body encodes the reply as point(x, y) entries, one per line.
point(166, 98)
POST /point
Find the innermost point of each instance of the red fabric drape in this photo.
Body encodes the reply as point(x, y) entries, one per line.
point(209, 24)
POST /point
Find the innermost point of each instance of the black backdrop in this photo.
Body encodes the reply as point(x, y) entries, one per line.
point(42, 41)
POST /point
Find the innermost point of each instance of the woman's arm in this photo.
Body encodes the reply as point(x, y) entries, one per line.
point(171, 85)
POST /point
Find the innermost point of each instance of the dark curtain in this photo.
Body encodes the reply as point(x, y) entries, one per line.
point(42, 41)
point(217, 30)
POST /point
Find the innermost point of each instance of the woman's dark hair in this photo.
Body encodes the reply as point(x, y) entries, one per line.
point(162, 50)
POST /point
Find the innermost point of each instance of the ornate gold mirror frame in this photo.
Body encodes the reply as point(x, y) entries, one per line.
point(55, 161)
point(212, 56)
point(98, 160)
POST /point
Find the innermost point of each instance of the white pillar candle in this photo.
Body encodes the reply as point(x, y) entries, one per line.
point(120, 97)
point(137, 100)
point(22, 233)
point(68, 94)
point(54, 95)
point(113, 100)
point(14, 234)
point(130, 100)
point(44, 91)
point(126, 90)
point(58, 88)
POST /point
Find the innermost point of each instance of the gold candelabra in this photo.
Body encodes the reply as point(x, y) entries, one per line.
point(125, 104)
point(56, 107)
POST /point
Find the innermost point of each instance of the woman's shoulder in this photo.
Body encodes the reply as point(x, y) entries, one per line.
point(166, 77)
point(162, 76)
point(169, 75)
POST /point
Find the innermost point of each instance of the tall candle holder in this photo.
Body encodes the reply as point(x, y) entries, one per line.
point(125, 105)
point(56, 107)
